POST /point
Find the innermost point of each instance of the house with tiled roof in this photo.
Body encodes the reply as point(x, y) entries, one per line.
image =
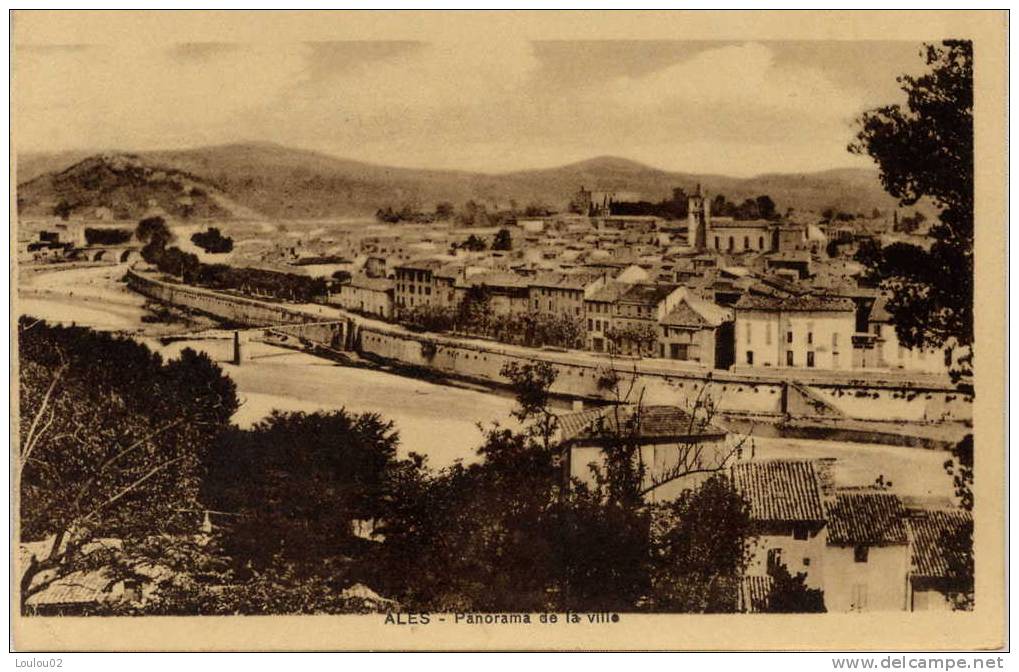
point(937, 559)
point(867, 551)
point(888, 353)
point(786, 513)
point(678, 449)
point(697, 331)
point(638, 311)
point(796, 331)
point(563, 294)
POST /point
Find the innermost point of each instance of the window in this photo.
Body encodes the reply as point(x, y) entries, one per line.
point(810, 337)
point(679, 351)
point(788, 337)
point(718, 244)
point(748, 333)
point(789, 358)
point(835, 340)
point(948, 357)
point(750, 357)
point(774, 559)
point(590, 324)
point(810, 359)
point(861, 553)
point(732, 244)
point(767, 334)
point(746, 242)
point(760, 243)
point(806, 562)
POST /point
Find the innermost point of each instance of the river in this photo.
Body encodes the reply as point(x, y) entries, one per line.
point(438, 421)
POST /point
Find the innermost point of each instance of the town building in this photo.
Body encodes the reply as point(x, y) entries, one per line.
point(787, 516)
point(366, 295)
point(562, 294)
point(867, 555)
point(802, 332)
point(638, 311)
point(937, 578)
point(678, 450)
point(427, 282)
point(697, 331)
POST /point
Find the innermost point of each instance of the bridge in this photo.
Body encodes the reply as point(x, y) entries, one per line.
point(113, 253)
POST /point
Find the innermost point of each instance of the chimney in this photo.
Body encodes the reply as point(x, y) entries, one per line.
point(825, 469)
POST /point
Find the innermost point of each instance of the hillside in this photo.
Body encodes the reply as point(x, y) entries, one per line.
point(284, 183)
point(126, 186)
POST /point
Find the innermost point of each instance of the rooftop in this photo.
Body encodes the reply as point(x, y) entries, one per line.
point(865, 516)
point(691, 312)
point(653, 422)
point(929, 530)
point(807, 303)
point(779, 490)
point(647, 294)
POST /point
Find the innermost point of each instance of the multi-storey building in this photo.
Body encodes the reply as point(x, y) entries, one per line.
point(803, 332)
point(563, 294)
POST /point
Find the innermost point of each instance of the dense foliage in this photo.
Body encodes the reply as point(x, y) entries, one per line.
point(925, 150)
point(107, 236)
point(291, 286)
point(112, 440)
point(213, 241)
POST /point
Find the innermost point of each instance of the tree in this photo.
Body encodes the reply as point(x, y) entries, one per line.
point(444, 210)
point(213, 241)
point(766, 207)
point(473, 244)
point(111, 441)
point(295, 483)
point(63, 209)
point(503, 240)
point(107, 236)
point(925, 150)
point(790, 594)
point(701, 548)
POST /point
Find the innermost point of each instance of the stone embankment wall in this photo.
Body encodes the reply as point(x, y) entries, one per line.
point(874, 396)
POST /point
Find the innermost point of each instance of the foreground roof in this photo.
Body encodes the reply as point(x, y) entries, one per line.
point(779, 490)
point(866, 516)
point(653, 422)
point(930, 532)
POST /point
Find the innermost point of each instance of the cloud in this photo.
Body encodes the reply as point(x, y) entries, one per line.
point(481, 102)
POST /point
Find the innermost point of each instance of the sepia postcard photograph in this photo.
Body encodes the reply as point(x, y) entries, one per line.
point(513, 330)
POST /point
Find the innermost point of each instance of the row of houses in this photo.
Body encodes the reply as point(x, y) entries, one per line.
point(699, 313)
point(865, 547)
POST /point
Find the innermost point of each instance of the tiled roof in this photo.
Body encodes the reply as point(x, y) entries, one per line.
point(754, 592)
point(655, 422)
point(730, 223)
point(929, 530)
point(872, 517)
point(564, 280)
point(375, 284)
point(423, 265)
point(794, 303)
point(646, 294)
point(609, 293)
point(779, 490)
point(691, 312)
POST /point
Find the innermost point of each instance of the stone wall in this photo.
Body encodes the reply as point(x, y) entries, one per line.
point(891, 396)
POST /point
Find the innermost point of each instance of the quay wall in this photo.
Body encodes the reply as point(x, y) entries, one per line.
point(858, 395)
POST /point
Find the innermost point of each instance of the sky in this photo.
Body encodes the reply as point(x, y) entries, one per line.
point(480, 102)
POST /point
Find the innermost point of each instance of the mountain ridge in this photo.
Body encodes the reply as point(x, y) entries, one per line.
point(288, 183)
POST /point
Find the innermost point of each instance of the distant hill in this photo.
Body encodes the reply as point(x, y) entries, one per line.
point(263, 179)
